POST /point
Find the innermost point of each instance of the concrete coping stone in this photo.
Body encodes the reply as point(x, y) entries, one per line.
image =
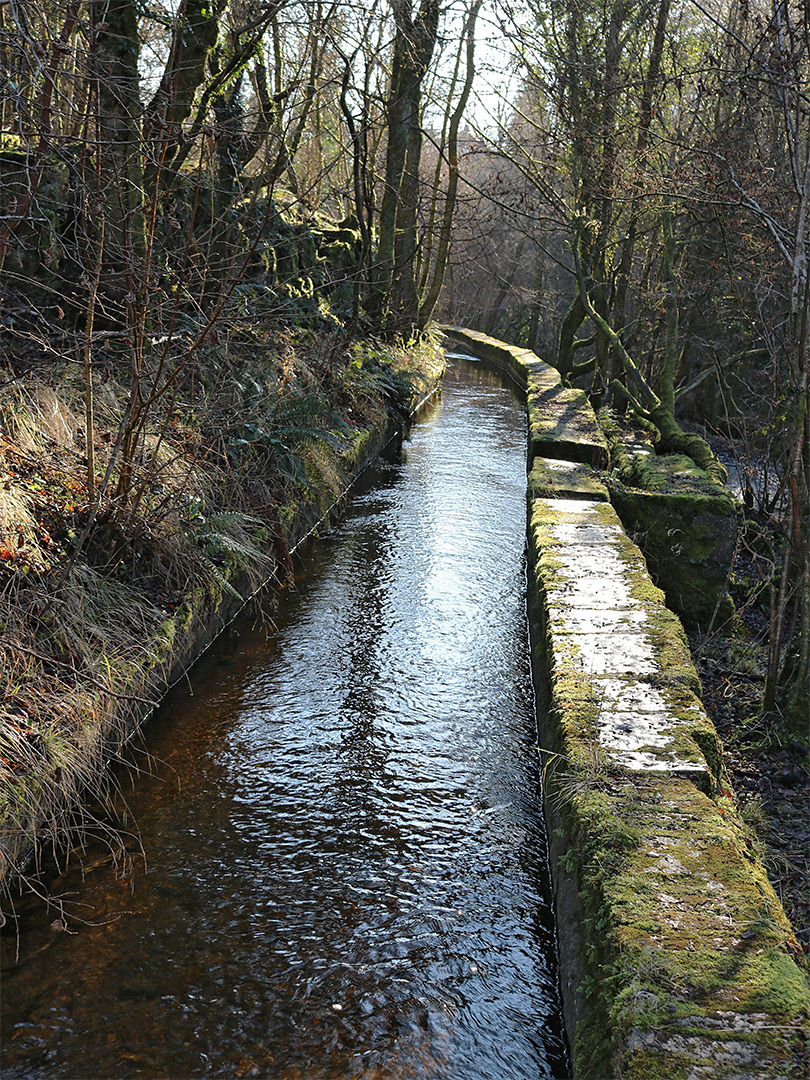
point(692, 975)
point(562, 424)
point(604, 619)
point(554, 478)
point(678, 960)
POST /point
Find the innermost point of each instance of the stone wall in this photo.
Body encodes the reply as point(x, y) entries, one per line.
point(685, 522)
point(676, 956)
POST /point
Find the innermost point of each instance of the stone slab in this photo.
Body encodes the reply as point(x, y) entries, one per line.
point(689, 968)
point(553, 478)
point(562, 424)
point(641, 725)
point(685, 521)
point(602, 617)
point(585, 559)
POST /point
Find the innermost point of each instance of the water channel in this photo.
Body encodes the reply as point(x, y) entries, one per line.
point(345, 871)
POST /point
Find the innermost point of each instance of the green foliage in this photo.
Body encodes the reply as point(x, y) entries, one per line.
point(370, 373)
point(294, 425)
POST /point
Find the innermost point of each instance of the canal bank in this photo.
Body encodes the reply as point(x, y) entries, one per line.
point(677, 958)
point(347, 874)
point(92, 631)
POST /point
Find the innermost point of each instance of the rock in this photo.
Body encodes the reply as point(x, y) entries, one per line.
point(792, 777)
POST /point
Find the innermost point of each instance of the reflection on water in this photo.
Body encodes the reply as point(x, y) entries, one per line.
point(346, 869)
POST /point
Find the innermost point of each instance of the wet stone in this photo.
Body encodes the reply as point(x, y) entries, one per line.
point(576, 620)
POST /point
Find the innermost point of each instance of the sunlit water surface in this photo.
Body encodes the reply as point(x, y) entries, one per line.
point(346, 863)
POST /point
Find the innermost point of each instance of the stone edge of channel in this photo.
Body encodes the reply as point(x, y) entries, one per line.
point(676, 955)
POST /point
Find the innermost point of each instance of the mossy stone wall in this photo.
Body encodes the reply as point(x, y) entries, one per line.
point(677, 959)
point(685, 522)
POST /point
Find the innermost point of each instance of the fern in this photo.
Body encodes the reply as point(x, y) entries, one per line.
point(295, 425)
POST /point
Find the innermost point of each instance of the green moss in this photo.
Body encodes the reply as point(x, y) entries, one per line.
point(184, 616)
point(665, 634)
point(550, 479)
point(167, 632)
point(681, 927)
point(359, 448)
point(683, 520)
point(704, 733)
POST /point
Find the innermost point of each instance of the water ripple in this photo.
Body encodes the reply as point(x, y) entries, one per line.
point(347, 875)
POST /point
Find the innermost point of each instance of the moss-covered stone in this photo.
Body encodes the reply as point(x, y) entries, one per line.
point(556, 479)
point(359, 448)
point(684, 521)
point(562, 424)
point(621, 674)
point(677, 958)
point(688, 958)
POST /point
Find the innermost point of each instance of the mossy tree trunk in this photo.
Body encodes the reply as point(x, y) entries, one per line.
point(594, 102)
point(646, 110)
point(654, 408)
point(194, 35)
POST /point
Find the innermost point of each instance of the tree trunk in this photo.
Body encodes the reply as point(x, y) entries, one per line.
point(116, 51)
point(644, 402)
point(440, 265)
point(195, 32)
point(414, 42)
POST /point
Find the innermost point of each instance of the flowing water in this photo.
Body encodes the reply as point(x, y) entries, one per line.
point(345, 867)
